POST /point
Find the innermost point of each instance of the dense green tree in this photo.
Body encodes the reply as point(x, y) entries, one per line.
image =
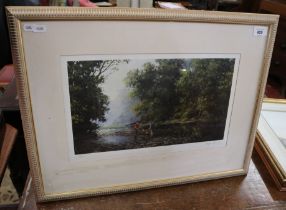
point(88, 102)
point(154, 87)
point(182, 89)
point(205, 89)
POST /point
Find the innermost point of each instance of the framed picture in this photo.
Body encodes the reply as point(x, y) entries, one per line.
point(271, 139)
point(117, 99)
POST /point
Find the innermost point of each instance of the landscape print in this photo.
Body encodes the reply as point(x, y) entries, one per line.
point(121, 104)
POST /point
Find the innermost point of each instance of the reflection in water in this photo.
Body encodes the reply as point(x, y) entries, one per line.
point(112, 139)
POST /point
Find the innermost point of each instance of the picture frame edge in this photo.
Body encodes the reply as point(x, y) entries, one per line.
point(141, 186)
point(116, 13)
point(15, 15)
point(274, 100)
point(274, 168)
point(23, 93)
point(260, 90)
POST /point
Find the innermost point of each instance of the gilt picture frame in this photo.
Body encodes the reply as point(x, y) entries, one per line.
point(270, 139)
point(173, 96)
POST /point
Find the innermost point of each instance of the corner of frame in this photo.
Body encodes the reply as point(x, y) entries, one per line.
point(10, 12)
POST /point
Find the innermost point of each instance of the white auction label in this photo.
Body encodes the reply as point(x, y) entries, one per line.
point(260, 31)
point(35, 28)
point(28, 27)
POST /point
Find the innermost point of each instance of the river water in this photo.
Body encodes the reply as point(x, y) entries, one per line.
point(128, 138)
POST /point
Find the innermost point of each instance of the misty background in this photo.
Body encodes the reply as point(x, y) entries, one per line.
point(120, 104)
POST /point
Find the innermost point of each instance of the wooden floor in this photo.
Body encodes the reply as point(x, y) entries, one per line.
point(256, 191)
